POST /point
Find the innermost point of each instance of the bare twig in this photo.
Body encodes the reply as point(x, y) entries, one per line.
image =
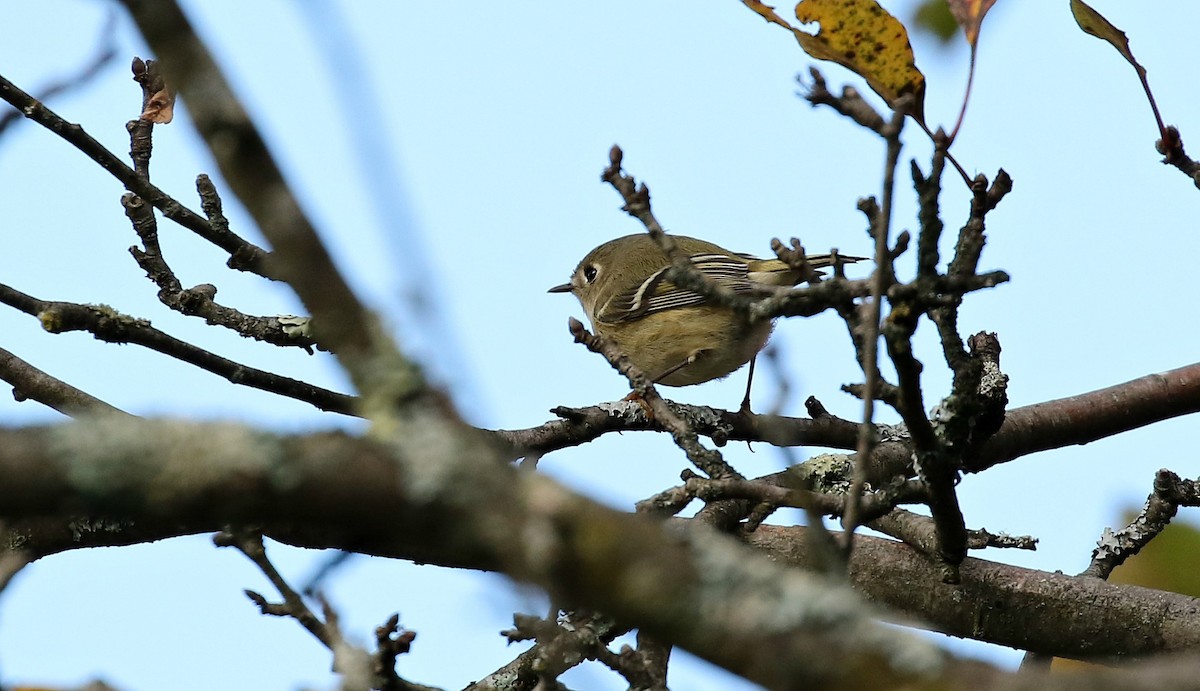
point(777, 490)
point(852, 105)
point(250, 543)
point(1170, 492)
point(1171, 147)
point(392, 641)
point(108, 325)
point(198, 301)
point(249, 257)
point(31, 383)
point(340, 321)
point(849, 104)
point(155, 97)
point(653, 657)
point(1091, 416)
point(575, 637)
point(921, 532)
point(642, 671)
point(359, 669)
point(868, 327)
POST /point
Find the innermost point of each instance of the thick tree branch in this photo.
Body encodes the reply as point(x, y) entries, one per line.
point(883, 569)
point(1053, 424)
point(693, 588)
point(172, 475)
point(1053, 613)
point(1090, 416)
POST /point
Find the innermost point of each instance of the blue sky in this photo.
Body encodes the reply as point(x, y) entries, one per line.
point(486, 126)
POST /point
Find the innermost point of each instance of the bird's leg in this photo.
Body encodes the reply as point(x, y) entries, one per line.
point(635, 396)
point(749, 381)
point(675, 368)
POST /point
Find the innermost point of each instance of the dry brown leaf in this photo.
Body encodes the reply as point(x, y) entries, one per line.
point(969, 15)
point(158, 100)
point(160, 108)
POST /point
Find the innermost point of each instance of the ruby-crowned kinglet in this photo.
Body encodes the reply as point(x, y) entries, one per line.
point(676, 336)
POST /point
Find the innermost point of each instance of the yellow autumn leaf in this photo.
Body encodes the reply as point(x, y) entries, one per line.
point(768, 13)
point(861, 36)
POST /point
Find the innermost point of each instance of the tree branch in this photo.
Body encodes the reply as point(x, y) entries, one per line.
point(108, 325)
point(341, 323)
point(700, 590)
point(243, 255)
point(206, 474)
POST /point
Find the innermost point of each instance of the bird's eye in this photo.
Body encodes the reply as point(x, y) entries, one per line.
point(589, 273)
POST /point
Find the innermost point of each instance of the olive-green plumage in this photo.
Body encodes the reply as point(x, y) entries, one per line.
point(675, 335)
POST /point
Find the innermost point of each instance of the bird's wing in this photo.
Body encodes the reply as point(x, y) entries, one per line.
point(657, 294)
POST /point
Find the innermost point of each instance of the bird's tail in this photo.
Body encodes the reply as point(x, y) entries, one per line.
point(777, 273)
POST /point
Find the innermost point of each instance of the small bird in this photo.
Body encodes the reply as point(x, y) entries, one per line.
point(678, 337)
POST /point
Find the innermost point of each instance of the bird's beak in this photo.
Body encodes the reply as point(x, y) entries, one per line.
point(564, 288)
